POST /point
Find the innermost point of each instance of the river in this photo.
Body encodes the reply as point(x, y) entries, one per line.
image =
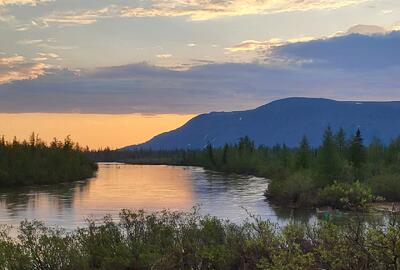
point(150, 187)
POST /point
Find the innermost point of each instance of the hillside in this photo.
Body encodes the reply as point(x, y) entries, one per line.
point(283, 121)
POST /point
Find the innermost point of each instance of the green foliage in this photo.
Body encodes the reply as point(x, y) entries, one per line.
point(329, 162)
point(386, 185)
point(346, 196)
point(295, 190)
point(34, 162)
point(174, 240)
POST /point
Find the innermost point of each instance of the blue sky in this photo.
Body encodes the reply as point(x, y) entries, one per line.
point(192, 56)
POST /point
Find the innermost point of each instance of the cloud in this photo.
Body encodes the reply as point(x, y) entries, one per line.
point(76, 18)
point(196, 10)
point(353, 51)
point(386, 11)
point(211, 9)
point(22, 2)
point(10, 60)
point(349, 67)
point(15, 68)
point(30, 41)
point(164, 56)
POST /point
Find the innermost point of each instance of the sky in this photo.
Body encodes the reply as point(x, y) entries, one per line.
point(173, 59)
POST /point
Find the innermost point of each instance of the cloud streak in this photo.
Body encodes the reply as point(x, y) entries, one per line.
point(22, 2)
point(196, 10)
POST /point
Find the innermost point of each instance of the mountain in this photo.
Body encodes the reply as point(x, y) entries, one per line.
point(284, 121)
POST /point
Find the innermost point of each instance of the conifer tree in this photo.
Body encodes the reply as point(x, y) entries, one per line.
point(328, 159)
point(357, 152)
point(303, 154)
point(225, 154)
point(340, 139)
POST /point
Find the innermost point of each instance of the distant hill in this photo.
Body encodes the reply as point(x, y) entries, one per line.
point(284, 121)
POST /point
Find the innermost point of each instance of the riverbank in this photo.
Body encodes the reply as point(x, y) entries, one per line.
point(33, 162)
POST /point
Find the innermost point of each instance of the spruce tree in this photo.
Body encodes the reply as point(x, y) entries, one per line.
point(303, 154)
point(340, 139)
point(357, 152)
point(328, 159)
point(225, 154)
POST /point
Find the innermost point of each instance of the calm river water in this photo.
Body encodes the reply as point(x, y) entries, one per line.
point(148, 187)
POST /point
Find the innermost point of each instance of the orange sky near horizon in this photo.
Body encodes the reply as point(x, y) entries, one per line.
point(93, 130)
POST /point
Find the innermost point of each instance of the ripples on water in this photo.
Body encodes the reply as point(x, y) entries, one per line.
point(119, 186)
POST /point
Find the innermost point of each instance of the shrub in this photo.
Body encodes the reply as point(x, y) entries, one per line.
point(346, 196)
point(296, 190)
point(387, 186)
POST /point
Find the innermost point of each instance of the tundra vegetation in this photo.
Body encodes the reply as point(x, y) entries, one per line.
point(33, 162)
point(172, 240)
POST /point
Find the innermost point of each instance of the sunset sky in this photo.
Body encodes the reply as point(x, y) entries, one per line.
point(117, 72)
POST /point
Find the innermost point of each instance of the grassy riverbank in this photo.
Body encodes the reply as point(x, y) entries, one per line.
point(169, 240)
point(34, 162)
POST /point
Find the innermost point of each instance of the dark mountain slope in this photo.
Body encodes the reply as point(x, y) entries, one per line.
point(284, 121)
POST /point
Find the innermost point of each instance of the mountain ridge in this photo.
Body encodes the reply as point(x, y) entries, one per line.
point(283, 121)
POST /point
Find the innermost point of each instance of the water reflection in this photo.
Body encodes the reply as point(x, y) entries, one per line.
point(120, 186)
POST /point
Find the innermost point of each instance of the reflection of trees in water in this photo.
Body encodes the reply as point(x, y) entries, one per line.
point(298, 215)
point(60, 196)
point(219, 182)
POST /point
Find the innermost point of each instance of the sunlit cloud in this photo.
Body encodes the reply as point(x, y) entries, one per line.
point(77, 18)
point(196, 10)
point(30, 41)
point(386, 11)
point(255, 45)
point(210, 9)
point(10, 60)
point(22, 2)
point(164, 56)
point(14, 68)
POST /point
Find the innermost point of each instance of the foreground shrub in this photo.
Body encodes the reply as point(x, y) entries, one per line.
point(170, 240)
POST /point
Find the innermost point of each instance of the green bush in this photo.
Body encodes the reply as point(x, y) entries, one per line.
point(169, 240)
point(387, 186)
point(346, 196)
point(297, 189)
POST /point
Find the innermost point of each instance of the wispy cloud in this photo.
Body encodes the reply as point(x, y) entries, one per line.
point(164, 56)
point(10, 60)
point(30, 41)
point(22, 2)
point(74, 18)
point(211, 9)
point(196, 10)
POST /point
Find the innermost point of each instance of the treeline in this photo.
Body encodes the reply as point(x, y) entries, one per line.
point(167, 240)
point(33, 162)
point(342, 172)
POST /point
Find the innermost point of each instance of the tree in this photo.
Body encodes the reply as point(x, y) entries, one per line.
point(246, 145)
point(328, 159)
point(303, 154)
point(357, 153)
point(225, 154)
point(340, 139)
point(210, 154)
